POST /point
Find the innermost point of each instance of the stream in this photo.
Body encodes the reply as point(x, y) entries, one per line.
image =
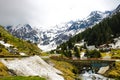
point(89, 73)
point(92, 76)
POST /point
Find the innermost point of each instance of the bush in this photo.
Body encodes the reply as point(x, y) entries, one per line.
point(115, 71)
point(93, 54)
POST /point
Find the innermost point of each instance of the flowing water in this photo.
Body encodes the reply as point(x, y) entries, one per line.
point(92, 76)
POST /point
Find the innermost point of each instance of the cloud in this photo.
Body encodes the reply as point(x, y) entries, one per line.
point(49, 12)
point(19, 12)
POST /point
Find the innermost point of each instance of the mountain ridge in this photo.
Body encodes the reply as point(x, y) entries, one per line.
point(11, 45)
point(57, 35)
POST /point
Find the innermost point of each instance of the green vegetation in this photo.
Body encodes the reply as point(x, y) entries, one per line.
point(3, 50)
point(66, 68)
point(114, 72)
point(102, 33)
point(116, 53)
point(93, 54)
point(3, 70)
point(104, 54)
point(22, 78)
point(77, 52)
point(21, 45)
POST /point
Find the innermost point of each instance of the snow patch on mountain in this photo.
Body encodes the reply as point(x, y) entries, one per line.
point(48, 47)
point(5, 44)
point(25, 32)
point(33, 66)
point(116, 43)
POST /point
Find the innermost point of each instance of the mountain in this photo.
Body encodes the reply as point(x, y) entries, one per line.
point(25, 32)
point(10, 45)
point(93, 18)
point(61, 33)
point(48, 39)
point(116, 10)
point(104, 35)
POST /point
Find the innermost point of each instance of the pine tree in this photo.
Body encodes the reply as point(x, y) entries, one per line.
point(77, 52)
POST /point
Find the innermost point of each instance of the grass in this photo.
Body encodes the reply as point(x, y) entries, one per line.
point(114, 72)
point(3, 70)
point(116, 53)
point(21, 45)
point(22, 78)
point(66, 68)
point(45, 54)
point(105, 54)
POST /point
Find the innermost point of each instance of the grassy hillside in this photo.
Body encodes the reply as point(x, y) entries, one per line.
point(3, 70)
point(114, 72)
point(66, 68)
point(22, 78)
point(21, 45)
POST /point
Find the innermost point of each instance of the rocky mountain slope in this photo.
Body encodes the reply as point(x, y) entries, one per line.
point(10, 45)
point(102, 36)
point(60, 34)
point(25, 32)
point(33, 66)
point(48, 39)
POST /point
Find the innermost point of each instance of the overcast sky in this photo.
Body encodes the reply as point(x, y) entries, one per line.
point(46, 13)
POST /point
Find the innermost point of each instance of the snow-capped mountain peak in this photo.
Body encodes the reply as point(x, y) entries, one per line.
point(95, 12)
point(24, 32)
point(48, 39)
point(26, 27)
point(118, 8)
point(61, 33)
point(94, 18)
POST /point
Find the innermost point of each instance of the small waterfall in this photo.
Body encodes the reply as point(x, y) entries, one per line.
point(91, 75)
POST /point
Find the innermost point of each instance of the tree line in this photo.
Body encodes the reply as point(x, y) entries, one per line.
point(102, 33)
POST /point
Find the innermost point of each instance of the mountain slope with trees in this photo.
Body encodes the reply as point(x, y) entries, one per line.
point(48, 39)
point(102, 33)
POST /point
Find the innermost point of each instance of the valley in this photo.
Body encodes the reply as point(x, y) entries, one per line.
point(49, 39)
point(82, 49)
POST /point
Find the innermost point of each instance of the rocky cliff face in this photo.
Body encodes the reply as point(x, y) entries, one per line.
point(25, 32)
